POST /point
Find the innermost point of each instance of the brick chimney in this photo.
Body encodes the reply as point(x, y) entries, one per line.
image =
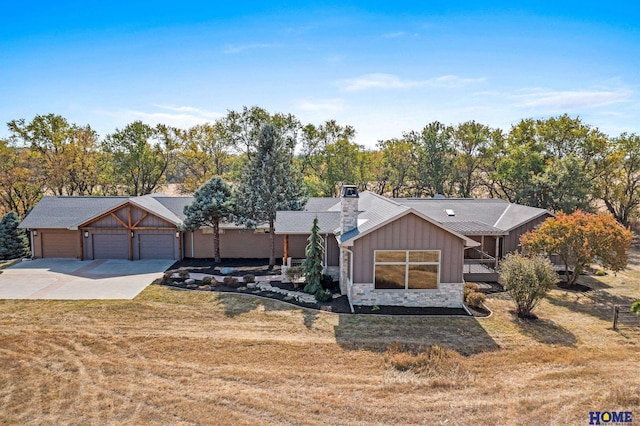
point(349, 208)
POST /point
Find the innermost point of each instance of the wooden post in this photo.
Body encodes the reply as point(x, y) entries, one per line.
point(616, 311)
point(286, 249)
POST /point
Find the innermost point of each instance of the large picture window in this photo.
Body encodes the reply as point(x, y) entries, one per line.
point(406, 269)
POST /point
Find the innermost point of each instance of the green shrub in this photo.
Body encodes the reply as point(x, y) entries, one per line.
point(249, 279)
point(231, 282)
point(183, 274)
point(600, 273)
point(293, 273)
point(208, 280)
point(527, 280)
point(327, 281)
point(475, 299)
point(167, 278)
point(324, 296)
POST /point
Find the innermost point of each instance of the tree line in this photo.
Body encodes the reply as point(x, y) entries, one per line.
point(559, 163)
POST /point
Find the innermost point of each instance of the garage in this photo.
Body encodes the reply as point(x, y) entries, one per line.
point(110, 246)
point(59, 243)
point(157, 245)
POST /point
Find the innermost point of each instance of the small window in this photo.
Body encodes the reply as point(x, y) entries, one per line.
point(406, 269)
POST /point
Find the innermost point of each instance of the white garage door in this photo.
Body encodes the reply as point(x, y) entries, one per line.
point(157, 246)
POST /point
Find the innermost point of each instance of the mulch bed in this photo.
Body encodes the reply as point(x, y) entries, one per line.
point(255, 267)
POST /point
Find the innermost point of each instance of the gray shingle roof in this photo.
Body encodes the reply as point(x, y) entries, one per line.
point(301, 222)
point(67, 212)
point(70, 212)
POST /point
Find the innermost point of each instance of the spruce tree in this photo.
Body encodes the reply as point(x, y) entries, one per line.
point(211, 204)
point(13, 241)
point(269, 183)
point(312, 266)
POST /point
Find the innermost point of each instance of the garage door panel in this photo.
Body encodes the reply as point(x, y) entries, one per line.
point(60, 244)
point(157, 246)
point(111, 246)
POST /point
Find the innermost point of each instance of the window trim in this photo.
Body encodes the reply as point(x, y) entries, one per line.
point(406, 264)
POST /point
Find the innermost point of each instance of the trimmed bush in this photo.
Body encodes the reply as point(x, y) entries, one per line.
point(167, 278)
point(475, 299)
point(249, 279)
point(208, 280)
point(600, 273)
point(183, 274)
point(231, 282)
point(470, 288)
point(323, 296)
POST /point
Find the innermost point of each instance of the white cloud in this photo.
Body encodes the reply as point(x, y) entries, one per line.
point(239, 48)
point(571, 99)
point(390, 81)
point(181, 117)
point(394, 34)
point(453, 81)
point(323, 105)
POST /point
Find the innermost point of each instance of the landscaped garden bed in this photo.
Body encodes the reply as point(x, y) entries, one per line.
point(254, 277)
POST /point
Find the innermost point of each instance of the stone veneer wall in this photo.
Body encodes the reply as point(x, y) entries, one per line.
point(448, 295)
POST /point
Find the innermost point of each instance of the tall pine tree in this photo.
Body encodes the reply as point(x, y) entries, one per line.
point(211, 204)
point(269, 183)
point(13, 241)
point(312, 265)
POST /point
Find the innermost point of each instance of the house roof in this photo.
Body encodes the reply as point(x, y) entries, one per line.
point(71, 212)
point(465, 216)
point(301, 222)
point(376, 211)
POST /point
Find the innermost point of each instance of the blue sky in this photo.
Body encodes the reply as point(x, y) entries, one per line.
point(383, 67)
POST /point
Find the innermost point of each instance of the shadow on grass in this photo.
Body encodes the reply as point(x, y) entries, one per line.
point(596, 303)
point(546, 331)
point(465, 335)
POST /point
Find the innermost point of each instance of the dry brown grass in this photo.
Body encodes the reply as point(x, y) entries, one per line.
point(175, 357)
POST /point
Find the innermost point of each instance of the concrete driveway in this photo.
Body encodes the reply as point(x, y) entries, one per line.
point(71, 279)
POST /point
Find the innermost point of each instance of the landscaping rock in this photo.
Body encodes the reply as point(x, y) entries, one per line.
point(192, 286)
point(251, 285)
point(189, 281)
point(205, 287)
point(227, 270)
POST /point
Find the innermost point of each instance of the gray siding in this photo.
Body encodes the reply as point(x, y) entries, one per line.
point(512, 241)
point(409, 233)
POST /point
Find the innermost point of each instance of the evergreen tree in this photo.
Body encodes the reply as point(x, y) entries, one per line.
point(211, 204)
point(269, 183)
point(312, 266)
point(13, 241)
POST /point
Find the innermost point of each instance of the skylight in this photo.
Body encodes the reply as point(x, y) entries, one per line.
point(450, 212)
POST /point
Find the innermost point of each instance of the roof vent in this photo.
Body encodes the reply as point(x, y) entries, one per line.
point(450, 212)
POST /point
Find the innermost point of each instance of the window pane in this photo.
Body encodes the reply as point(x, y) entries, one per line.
point(424, 256)
point(391, 256)
point(390, 276)
point(423, 276)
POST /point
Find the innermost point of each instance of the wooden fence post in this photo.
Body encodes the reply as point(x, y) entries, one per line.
point(616, 310)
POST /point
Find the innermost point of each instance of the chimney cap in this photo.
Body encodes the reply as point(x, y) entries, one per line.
point(349, 191)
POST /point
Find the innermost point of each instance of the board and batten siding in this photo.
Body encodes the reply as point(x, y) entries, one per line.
point(150, 221)
point(409, 233)
point(512, 241)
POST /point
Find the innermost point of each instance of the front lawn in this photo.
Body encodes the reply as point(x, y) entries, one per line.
point(178, 357)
